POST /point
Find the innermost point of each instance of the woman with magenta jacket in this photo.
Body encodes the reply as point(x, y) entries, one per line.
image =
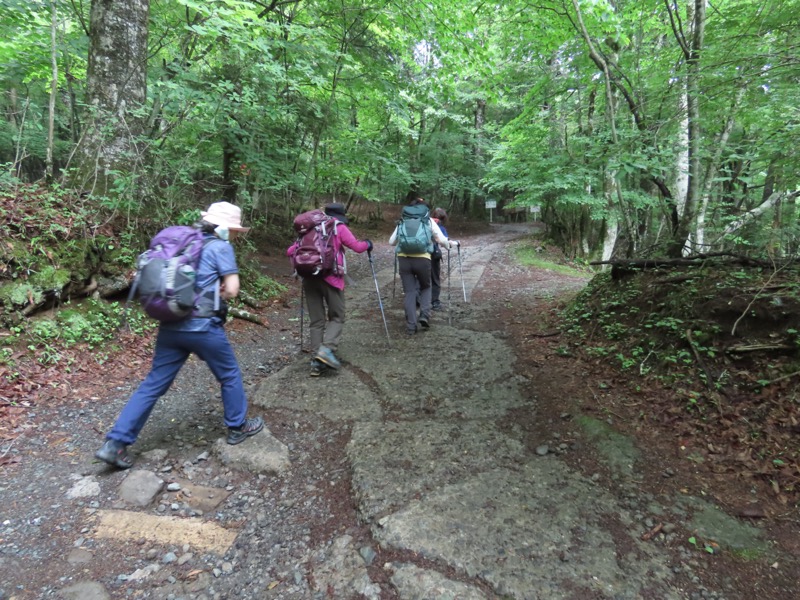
point(325, 295)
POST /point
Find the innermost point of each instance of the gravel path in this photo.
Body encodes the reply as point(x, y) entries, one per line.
point(404, 476)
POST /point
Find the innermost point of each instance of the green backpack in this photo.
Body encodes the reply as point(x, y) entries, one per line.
point(414, 233)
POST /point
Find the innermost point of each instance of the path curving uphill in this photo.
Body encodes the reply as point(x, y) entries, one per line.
point(431, 467)
point(439, 474)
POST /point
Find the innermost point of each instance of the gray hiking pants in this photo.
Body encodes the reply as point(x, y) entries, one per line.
point(415, 273)
point(326, 329)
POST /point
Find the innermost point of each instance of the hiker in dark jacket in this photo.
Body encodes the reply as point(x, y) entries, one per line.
point(415, 275)
point(439, 216)
point(327, 292)
point(202, 335)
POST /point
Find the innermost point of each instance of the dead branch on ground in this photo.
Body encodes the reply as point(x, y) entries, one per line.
point(246, 315)
point(742, 348)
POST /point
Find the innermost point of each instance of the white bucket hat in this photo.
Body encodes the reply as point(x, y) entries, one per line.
point(224, 214)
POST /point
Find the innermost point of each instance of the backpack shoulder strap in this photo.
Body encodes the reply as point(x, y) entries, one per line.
point(207, 242)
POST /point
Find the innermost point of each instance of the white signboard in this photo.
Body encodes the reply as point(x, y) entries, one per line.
point(491, 204)
point(536, 209)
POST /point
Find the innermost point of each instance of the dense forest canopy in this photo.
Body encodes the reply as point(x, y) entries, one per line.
point(638, 128)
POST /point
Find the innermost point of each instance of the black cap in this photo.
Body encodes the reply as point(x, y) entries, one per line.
point(337, 211)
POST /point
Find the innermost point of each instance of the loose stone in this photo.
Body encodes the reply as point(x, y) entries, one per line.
point(542, 450)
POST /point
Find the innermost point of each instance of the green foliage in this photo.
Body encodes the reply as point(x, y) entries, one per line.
point(258, 285)
point(93, 324)
point(51, 243)
point(675, 328)
point(528, 256)
point(282, 108)
point(652, 340)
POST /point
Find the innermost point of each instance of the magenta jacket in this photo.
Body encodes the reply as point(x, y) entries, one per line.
point(343, 237)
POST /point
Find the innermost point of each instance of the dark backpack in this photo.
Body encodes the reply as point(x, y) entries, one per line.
point(166, 274)
point(316, 253)
point(414, 232)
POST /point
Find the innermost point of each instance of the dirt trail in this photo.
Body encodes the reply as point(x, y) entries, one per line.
point(432, 466)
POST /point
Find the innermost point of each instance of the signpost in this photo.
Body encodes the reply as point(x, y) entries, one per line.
point(536, 211)
point(491, 204)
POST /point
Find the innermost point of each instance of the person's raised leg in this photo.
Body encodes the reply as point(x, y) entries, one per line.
point(168, 359)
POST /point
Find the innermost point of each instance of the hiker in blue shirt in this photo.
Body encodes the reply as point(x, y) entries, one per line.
point(415, 271)
point(203, 334)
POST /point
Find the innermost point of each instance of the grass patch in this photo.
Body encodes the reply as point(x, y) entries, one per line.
point(529, 257)
point(748, 553)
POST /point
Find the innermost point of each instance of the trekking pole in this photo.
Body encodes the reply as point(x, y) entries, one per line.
point(461, 270)
point(301, 315)
point(380, 301)
point(449, 303)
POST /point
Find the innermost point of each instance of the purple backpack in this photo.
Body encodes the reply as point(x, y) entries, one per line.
point(316, 250)
point(166, 274)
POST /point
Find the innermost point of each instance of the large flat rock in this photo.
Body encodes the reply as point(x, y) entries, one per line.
point(472, 377)
point(395, 462)
point(261, 453)
point(540, 531)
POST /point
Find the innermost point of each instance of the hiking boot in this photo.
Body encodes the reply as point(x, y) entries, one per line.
point(423, 320)
point(237, 435)
point(411, 331)
point(317, 367)
point(325, 355)
point(436, 305)
point(115, 453)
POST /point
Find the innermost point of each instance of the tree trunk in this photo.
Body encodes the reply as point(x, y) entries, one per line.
point(480, 123)
point(51, 115)
point(682, 162)
point(692, 48)
point(116, 82)
point(612, 192)
point(711, 172)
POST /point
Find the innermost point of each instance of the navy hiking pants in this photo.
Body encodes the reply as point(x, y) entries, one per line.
point(172, 350)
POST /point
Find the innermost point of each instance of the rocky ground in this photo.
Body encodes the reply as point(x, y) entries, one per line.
point(466, 462)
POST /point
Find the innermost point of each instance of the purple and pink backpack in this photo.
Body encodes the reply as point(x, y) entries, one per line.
point(316, 249)
point(166, 274)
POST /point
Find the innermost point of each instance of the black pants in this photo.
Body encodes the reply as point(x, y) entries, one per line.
point(415, 273)
point(436, 280)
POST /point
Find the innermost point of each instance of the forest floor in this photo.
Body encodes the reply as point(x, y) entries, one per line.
point(487, 458)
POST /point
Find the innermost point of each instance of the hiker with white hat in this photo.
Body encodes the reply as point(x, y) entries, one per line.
point(201, 333)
